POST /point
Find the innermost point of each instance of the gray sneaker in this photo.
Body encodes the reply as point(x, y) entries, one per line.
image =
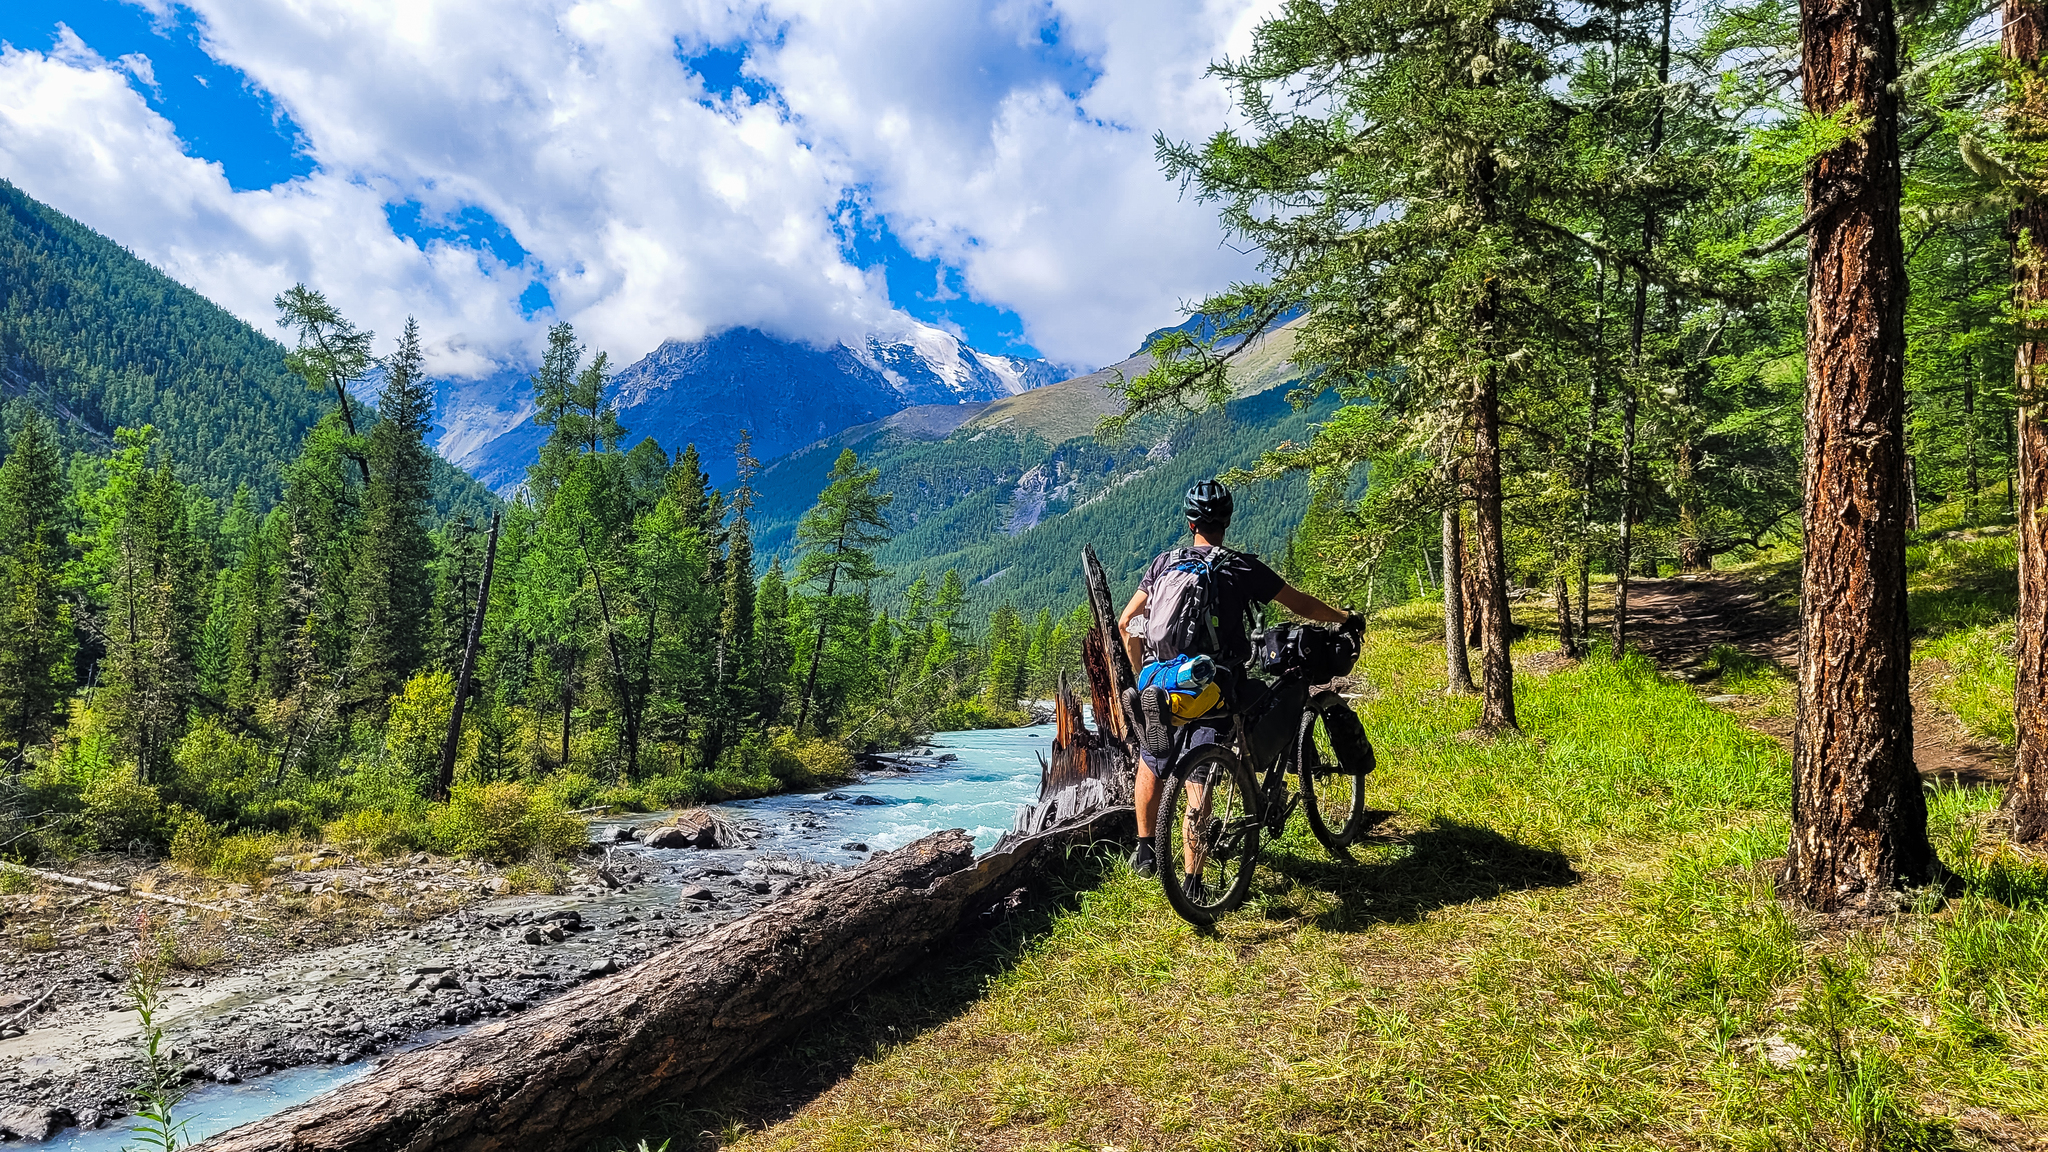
point(1192, 887)
point(1143, 862)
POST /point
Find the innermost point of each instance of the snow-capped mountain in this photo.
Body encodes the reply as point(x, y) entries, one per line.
point(704, 391)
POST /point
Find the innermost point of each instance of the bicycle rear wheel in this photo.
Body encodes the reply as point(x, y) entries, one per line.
point(1332, 792)
point(1208, 834)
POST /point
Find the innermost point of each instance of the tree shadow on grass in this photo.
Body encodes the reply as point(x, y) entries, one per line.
point(1405, 877)
point(825, 1049)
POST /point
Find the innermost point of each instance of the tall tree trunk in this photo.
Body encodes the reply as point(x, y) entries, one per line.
point(803, 711)
point(1565, 640)
point(1496, 673)
point(1695, 553)
point(2026, 800)
point(445, 779)
point(1859, 820)
point(1457, 660)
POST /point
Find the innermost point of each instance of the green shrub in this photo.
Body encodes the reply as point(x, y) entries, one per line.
point(220, 772)
point(974, 713)
point(574, 789)
point(418, 725)
point(195, 843)
point(504, 822)
point(381, 832)
point(121, 810)
point(245, 857)
point(14, 880)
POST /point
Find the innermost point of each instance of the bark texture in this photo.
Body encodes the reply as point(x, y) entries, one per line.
point(551, 1077)
point(2026, 800)
point(1859, 821)
point(1496, 673)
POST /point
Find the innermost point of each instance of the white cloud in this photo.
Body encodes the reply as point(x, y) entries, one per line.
point(649, 214)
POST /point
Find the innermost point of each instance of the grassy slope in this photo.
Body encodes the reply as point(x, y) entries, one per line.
point(1567, 942)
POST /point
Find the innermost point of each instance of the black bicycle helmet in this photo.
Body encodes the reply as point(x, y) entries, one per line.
point(1208, 503)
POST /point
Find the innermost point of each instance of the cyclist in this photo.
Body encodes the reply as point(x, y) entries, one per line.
point(1238, 580)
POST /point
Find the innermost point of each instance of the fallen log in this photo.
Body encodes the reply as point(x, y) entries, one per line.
point(25, 1013)
point(107, 889)
point(550, 1077)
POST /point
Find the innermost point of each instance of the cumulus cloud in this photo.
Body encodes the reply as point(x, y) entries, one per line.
point(1010, 141)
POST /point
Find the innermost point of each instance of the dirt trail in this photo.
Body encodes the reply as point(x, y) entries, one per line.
point(1680, 620)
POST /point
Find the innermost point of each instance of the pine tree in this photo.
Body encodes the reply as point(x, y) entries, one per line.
point(37, 639)
point(393, 589)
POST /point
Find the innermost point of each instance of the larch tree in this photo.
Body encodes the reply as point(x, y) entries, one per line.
point(1398, 161)
point(331, 353)
point(837, 537)
point(1859, 819)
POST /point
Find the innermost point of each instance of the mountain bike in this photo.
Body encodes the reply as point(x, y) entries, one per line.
point(1216, 799)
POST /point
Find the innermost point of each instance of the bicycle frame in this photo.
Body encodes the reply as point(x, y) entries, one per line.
point(1287, 697)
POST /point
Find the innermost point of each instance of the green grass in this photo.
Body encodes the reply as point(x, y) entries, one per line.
point(1565, 940)
point(1962, 589)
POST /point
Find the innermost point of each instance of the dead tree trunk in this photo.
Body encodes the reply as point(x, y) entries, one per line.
point(553, 1076)
point(1859, 821)
point(445, 779)
point(2026, 800)
point(1116, 663)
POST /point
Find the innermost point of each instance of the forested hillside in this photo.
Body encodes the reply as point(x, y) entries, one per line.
point(1008, 492)
point(95, 339)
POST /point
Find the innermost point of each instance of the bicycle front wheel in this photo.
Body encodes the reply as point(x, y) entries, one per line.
point(1208, 834)
point(1332, 791)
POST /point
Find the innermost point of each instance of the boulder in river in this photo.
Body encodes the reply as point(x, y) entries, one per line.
point(695, 828)
point(33, 1122)
point(866, 799)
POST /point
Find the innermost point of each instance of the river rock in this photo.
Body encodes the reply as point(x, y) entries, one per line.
point(854, 846)
point(694, 828)
point(33, 1122)
point(871, 800)
point(697, 892)
point(225, 1075)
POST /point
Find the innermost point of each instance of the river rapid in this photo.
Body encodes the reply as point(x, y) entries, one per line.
point(324, 1018)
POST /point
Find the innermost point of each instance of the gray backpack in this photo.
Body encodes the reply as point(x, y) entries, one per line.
point(1180, 612)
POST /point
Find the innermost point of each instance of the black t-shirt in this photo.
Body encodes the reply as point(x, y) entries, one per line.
point(1241, 580)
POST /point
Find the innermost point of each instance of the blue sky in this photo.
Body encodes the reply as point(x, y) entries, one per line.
point(822, 169)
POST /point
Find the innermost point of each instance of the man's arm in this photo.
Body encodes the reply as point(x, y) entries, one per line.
point(1133, 648)
point(1304, 605)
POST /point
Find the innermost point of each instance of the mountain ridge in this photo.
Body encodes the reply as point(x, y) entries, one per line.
point(786, 393)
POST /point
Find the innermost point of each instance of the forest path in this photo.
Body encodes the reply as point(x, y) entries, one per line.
point(1678, 622)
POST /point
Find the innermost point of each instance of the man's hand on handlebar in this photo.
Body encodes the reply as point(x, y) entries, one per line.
point(1354, 621)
